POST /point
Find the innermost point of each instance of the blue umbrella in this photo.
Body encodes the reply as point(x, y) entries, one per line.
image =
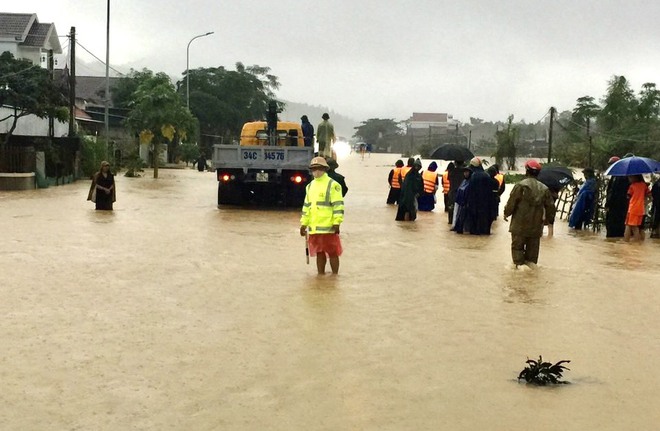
point(633, 166)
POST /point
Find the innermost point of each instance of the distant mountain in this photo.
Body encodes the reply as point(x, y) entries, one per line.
point(344, 126)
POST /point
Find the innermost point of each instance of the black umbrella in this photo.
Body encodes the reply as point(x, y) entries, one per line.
point(452, 152)
point(556, 177)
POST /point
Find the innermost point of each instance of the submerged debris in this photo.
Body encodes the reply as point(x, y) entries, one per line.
point(543, 373)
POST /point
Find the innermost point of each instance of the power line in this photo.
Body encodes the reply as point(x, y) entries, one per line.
point(98, 59)
point(604, 135)
point(20, 71)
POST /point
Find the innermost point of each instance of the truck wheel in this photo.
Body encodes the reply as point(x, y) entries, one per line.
point(229, 195)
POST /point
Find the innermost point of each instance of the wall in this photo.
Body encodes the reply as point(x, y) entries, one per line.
point(31, 125)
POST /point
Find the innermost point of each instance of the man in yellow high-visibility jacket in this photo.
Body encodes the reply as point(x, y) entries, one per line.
point(322, 213)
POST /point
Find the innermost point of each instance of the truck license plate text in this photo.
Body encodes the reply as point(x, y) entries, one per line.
point(274, 155)
point(250, 155)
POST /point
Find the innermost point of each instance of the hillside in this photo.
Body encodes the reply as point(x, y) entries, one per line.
point(344, 126)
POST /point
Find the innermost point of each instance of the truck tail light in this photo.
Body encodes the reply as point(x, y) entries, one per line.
point(225, 177)
point(297, 178)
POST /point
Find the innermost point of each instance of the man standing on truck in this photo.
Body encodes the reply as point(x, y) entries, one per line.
point(325, 136)
point(307, 130)
point(322, 213)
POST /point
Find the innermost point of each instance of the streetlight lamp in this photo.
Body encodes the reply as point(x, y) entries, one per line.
point(187, 66)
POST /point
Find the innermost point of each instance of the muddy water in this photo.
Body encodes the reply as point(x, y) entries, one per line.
point(171, 314)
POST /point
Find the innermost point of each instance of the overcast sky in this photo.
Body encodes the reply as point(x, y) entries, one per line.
point(386, 58)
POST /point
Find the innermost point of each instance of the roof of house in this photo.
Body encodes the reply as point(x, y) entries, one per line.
point(429, 117)
point(25, 29)
point(91, 89)
point(15, 26)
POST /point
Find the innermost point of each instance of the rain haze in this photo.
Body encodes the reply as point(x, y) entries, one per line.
point(375, 59)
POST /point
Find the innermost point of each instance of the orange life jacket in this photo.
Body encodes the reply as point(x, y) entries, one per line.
point(499, 178)
point(404, 172)
point(395, 178)
point(445, 182)
point(430, 178)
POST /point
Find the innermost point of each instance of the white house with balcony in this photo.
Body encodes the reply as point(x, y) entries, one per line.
point(25, 37)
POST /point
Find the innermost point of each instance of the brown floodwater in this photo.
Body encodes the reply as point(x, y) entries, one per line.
point(170, 313)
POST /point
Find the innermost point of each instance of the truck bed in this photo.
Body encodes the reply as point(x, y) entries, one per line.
point(261, 157)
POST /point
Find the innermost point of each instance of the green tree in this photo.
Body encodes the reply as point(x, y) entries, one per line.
point(28, 90)
point(506, 144)
point(619, 105)
point(159, 115)
point(223, 100)
point(123, 91)
point(372, 130)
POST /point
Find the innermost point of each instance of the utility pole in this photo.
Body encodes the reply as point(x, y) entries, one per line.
point(589, 139)
point(107, 82)
point(469, 139)
point(552, 121)
point(72, 83)
point(51, 71)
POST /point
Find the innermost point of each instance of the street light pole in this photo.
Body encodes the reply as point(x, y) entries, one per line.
point(106, 117)
point(188, 65)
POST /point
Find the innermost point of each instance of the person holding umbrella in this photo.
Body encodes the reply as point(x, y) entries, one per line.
point(455, 180)
point(616, 204)
point(637, 193)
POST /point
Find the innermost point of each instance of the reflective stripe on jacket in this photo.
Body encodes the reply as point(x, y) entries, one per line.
point(396, 184)
point(404, 171)
point(323, 207)
point(445, 182)
point(430, 181)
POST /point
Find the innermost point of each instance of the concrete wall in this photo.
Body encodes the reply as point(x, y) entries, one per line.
point(17, 181)
point(31, 125)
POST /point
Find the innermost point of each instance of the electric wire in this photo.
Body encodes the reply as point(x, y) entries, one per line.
point(98, 59)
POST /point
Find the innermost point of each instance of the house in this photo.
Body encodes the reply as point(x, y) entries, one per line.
point(25, 37)
point(432, 129)
point(37, 146)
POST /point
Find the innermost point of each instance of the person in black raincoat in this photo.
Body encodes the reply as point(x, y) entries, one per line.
point(497, 190)
point(655, 210)
point(307, 130)
point(412, 187)
point(460, 202)
point(332, 173)
point(201, 163)
point(616, 204)
point(102, 191)
point(455, 181)
point(480, 203)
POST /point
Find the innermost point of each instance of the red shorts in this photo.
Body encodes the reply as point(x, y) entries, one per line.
point(328, 243)
point(634, 220)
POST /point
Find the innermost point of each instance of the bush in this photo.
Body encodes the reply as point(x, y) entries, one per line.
point(541, 373)
point(134, 164)
point(92, 153)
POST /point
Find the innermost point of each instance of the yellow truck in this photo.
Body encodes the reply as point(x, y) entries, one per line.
point(270, 165)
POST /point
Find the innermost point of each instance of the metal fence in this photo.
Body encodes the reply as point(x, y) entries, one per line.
point(17, 159)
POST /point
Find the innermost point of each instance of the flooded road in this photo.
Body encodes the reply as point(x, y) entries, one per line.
point(172, 314)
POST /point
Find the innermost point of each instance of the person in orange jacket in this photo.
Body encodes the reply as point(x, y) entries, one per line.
point(395, 183)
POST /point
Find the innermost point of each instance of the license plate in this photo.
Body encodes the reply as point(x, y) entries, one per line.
point(262, 177)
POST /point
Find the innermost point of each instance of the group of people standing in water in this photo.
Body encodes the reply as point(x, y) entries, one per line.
point(415, 190)
point(625, 205)
point(472, 199)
